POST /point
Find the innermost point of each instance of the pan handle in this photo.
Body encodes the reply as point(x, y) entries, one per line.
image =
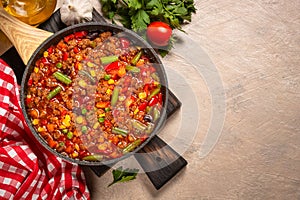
point(159, 161)
point(24, 37)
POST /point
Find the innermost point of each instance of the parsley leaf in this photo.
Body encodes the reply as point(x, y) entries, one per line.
point(135, 4)
point(137, 14)
point(121, 175)
point(140, 20)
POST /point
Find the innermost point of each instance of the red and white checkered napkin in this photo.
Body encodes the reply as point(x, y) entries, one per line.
point(28, 170)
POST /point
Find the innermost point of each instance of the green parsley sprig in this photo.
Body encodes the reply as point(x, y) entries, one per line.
point(137, 14)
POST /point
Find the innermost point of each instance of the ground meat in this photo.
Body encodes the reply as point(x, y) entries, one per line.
point(91, 107)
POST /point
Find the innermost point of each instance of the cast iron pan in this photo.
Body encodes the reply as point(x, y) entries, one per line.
point(31, 43)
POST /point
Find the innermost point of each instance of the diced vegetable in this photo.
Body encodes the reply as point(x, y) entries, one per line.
point(54, 92)
point(59, 65)
point(138, 125)
point(132, 146)
point(132, 69)
point(94, 157)
point(136, 58)
point(69, 135)
point(153, 93)
point(115, 96)
point(101, 119)
point(119, 131)
point(61, 77)
point(109, 59)
point(88, 75)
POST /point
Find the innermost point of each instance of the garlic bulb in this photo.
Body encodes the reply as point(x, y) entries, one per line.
point(76, 11)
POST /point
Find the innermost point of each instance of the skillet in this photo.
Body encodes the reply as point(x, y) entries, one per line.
point(26, 43)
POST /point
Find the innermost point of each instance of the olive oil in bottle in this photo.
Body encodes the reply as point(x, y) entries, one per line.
point(32, 12)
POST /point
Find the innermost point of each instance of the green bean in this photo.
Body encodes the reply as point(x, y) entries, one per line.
point(88, 75)
point(119, 131)
point(132, 69)
point(109, 59)
point(61, 77)
point(138, 125)
point(154, 92)
point(149, 128)
point(94, 157)
point(132, 146)
point(155, 77)
point(136, 58)
point(115, 96)
point(156, 114)
point(54, 92)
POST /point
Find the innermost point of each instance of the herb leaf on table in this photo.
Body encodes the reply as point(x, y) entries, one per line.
point(121, 175)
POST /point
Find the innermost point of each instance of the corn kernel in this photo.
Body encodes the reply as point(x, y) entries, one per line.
point(75, 154)
point(79, 119)
point(79, 66)
point(156, 83)
point(36, 70)
point(66, 121)
point(108, 91)
point(102, 146)
point(93, 73)
point(82, 83)
point(122, 98)
point(76, 146)
point(78, 57)
point(90, 64)
point(96, 125)
point(45, 54)
point(35, 121)
point(62, 127)
point(110, 81)
point(41, 129)
point(142, 95)
point(102, 115)
point(136, 111)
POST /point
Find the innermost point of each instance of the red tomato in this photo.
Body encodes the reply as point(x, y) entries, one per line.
point(159, 33)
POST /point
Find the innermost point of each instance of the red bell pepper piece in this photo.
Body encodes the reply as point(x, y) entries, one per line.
point(146, 88)
point(80, 34)
point(65, 56)
point(143, 106)
point(124, 43)
point(68, 38)
point(152, 69)
point(112, 66)
point(160, 98)
point(45, 61)
point(154, 100)
point(76, 50)
point(30, 81)
point(50, 50)
point(107, 123)
point(44, 122)
point(28, 100)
